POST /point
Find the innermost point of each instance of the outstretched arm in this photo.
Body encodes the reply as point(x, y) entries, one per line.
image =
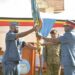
point(46, 39)
point(46, 43)
point(22, 34)
point(31, 46)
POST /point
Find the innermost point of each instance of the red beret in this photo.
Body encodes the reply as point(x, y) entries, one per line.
point(70, 23)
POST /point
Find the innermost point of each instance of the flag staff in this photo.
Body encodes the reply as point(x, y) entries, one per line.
point(37, 21)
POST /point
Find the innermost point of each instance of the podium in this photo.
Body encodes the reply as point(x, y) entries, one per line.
point(29, 55)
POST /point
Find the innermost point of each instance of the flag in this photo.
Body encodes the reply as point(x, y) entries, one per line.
point(36, 18)
point(35, 12)
point(47, 26)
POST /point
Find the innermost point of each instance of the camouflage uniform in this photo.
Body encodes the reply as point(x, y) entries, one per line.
point(52, 57)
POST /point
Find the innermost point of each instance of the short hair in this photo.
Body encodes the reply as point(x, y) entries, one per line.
point(53, 32)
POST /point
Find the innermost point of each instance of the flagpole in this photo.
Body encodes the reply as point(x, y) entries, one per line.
point(36, 18)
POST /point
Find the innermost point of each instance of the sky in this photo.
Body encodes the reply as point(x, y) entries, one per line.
point(22, 9)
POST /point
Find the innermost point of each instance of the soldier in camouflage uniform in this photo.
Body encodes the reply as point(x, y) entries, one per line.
point(52, 55)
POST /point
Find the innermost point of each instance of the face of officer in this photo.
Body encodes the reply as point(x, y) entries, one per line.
point(67, 28)
point(14, 29)
point(54, 34)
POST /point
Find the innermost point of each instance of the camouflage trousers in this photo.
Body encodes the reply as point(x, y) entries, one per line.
point(53, 69)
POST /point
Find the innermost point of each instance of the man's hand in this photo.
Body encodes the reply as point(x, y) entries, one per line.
point(39, 36)
point(31, 46)
point(36, 28)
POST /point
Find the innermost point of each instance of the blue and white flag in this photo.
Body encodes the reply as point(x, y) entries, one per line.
point(47, 26)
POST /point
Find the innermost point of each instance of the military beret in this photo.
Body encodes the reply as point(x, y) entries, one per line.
point(69, 23)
